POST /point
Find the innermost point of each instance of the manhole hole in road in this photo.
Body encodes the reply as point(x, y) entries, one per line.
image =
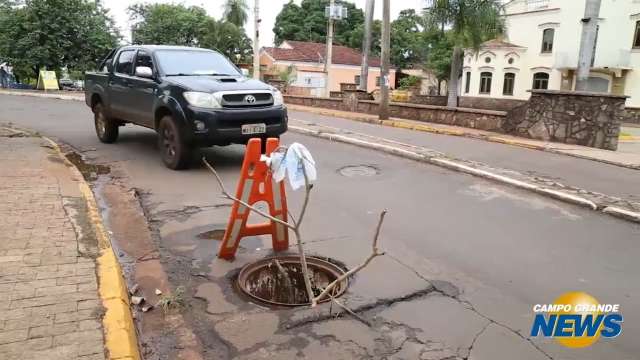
point(359, 170)
point(279, 280)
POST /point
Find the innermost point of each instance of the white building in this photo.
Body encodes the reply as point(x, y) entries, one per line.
point(541, 51)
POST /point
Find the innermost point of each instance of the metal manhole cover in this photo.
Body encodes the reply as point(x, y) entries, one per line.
point(358, 170)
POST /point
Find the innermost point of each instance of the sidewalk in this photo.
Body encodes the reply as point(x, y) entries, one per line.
point(49, 302)
point(628, 154)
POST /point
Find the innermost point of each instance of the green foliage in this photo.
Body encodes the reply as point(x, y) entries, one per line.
point(409, 42)
point(53, 34)
point(357, 38)
point(235, 12)
point(307, 22)
point(440, 52)
point(167, 24)
point(227, 38)
point(288, 75)
point(409, 82)
point(471, 21)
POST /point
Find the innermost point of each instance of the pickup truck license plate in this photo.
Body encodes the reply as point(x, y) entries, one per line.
point(249, 129)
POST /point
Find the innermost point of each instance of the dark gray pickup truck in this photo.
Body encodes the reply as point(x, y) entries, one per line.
point(192, 98)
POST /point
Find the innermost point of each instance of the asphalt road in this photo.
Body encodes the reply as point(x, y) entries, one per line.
point(504, 249)
point(586, 174)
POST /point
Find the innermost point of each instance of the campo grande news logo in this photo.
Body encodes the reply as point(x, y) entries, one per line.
point(577, 319)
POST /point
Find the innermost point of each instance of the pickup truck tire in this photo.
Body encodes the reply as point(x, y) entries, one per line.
point(175, 152)
point(106, 128)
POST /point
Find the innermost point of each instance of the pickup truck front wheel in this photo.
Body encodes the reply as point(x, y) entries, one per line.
point(175, 152)
point(106, 128)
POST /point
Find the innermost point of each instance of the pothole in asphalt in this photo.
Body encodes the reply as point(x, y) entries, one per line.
point(278, 281)
point(216, 234)
point(359, 170)
point(89, 171)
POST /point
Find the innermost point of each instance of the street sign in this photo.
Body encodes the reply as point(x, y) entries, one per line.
point(335, 12)
point(47, 80)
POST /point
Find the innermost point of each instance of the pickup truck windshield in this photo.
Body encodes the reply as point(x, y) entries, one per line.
point(188, 63)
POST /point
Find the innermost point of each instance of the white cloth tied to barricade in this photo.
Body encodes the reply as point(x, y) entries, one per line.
point(294, 162)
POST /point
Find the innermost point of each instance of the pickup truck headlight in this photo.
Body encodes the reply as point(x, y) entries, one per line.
point(201, 99)
point(277, 98)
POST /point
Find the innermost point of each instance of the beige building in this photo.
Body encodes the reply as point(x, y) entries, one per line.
point(308, 60)
point(541, 51)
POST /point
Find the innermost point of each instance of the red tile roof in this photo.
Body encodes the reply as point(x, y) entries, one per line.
point(496, 44)
point(315, 52)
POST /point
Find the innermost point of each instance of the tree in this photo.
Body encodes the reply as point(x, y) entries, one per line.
point(227, 38)
point(54, 34)
point(307, 22)
point(409, 44)
point(439, 55)
point(168, 24)
point(235, 12)
point(471, 23)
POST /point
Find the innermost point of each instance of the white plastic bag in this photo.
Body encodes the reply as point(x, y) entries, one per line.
point(294, 163)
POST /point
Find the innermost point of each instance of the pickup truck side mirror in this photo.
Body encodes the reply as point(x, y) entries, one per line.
point(144, 72)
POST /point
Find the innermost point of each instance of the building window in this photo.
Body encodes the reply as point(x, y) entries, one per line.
point(509, 81)
point(540, 81)
point(307, 80)
point(510, 61)
point(487, 60)
point(356, 80)
point(547, 40)
point(378, 83)
point(485, 82)
point(636, 37)
point(467, 84)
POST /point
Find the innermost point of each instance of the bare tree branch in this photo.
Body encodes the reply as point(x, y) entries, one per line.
point(374, 253)
point(226, 194)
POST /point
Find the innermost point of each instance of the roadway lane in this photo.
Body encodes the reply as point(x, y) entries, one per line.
point(586, 174)
point(505, 249)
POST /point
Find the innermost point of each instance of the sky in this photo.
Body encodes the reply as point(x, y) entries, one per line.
point(269, 9)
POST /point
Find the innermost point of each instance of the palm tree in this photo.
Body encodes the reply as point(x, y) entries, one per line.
point(236, 12)
point(471, 22)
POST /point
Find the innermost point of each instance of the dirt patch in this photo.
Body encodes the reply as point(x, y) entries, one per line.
point(89, 171)
point(216, 234)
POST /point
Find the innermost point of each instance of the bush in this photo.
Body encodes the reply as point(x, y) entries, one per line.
point(409, 82)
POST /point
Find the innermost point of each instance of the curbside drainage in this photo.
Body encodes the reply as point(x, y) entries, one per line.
point(456, 165)
point(120, 334)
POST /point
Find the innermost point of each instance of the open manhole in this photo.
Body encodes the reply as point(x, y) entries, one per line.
point(359, 170)
point(265, 282)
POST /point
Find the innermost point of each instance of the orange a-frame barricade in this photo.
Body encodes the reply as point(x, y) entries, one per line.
point(256, 184)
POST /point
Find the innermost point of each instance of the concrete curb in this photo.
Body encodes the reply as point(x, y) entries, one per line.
point(398, 123)
point(456, 166)
point(120, 334)
point(42, 95)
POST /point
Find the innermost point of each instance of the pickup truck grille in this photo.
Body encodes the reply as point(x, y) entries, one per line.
point(247, 100)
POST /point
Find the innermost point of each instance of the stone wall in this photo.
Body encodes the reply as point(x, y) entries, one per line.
point(477, 102)
point(631, 116)
point(588, 119)
point(428, 100)
point(471, 118)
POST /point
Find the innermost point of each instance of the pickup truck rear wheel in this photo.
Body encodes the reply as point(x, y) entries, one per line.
point(175, 152)
point(106, 128)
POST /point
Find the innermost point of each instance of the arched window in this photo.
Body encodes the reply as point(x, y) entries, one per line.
point(547, 40)
point(485, 82)
point(540, 81)
point(509, 81)
point(636, 36)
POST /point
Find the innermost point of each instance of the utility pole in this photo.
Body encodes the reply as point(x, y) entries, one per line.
point(256, 40)
point(366, 46)
point(329, 52)
point(384, 76)
point(587, 42)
